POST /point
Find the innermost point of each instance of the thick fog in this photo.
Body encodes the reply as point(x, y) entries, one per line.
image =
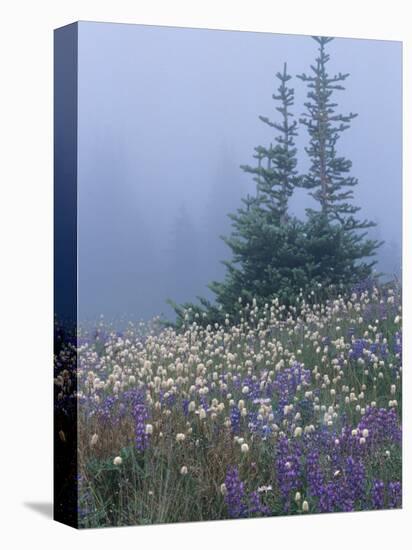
point(167, 116)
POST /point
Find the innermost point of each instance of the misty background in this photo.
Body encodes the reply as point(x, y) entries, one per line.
point(165, 118)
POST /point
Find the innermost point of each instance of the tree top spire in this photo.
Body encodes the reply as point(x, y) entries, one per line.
point(322, 40)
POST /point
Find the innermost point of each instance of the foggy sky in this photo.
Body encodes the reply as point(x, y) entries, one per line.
point(166, 117)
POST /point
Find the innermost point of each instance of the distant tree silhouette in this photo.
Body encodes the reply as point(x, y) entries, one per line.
point(183, 269)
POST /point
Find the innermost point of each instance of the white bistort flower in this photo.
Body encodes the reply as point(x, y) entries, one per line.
point(244, 448)
point(298, 431)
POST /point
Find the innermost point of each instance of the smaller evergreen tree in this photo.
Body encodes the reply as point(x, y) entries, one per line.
point(277, 180)
point(267, 259)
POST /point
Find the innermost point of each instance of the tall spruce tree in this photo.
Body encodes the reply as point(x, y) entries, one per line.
point(329, 179)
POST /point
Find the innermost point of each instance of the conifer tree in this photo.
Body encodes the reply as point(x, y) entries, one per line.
point(276, 173)
point(263, 231)
point(329, 179)
point(329, 176)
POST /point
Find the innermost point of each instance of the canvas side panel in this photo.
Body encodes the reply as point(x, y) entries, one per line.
point(65, 274)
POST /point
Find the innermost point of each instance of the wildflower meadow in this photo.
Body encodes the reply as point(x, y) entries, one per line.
point(291, 410)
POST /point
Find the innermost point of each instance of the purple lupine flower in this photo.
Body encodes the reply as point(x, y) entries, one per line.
point(314, 475)
point(204, 402)
point(330, 497)
point(382, 425)
point(384, 350)
point(170, 401)
point(167, 399)
point(256, 507)
point(378, 494)
point(378, 348)
point(394, 494)
point(354, 479)
point(287, 380)
point(235, 420)
point(397, 347)
point(239, 504)
point(133, 397)
point(288, 468)
point(358, 347)
point(235, 494)
point(140, 418)
point(185, 406)
point(106, 408)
